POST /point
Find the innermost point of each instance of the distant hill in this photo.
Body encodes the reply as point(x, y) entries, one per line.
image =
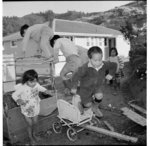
point(134, 12)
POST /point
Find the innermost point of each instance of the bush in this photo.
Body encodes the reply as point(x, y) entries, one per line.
point(138, 60)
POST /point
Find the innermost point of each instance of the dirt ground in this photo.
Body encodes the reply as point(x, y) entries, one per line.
point(112, 115)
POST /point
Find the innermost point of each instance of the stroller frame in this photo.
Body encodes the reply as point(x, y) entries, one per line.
point(70, 116)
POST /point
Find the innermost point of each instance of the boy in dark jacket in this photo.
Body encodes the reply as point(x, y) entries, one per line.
point(92, 76)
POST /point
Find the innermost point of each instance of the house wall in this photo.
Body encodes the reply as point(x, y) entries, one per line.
point(88, 42)
point(30, 51)
point(31, 48)
point(106, 48)
point(80, 41)
point(123, 47)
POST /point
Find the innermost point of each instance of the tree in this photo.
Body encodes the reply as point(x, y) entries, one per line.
point(129, 33)
point(49, 15)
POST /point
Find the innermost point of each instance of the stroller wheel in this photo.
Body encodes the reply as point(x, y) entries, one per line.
point(72, 134)
point(57, 127)
point(95, 122)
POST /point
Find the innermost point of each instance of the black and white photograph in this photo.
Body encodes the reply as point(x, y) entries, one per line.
point(74, 73)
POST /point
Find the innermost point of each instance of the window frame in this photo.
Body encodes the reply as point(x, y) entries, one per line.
point(11, 46)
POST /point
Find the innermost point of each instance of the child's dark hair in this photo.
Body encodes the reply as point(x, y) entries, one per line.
point(55, 37)
point(115, 49)
point(94, 50)
point(24, 27)
point(29, 75)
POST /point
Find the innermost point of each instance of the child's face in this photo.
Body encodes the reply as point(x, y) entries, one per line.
point(96, 60)
point(113, 53)
point(32, 83)
point(24, 32)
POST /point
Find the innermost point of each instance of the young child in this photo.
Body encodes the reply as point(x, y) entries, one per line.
point(92, 76)
point(41, 34)
point(120, 64)
point(26, 95)
point(70, 52)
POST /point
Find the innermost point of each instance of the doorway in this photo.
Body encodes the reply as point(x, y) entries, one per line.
point(111, 43)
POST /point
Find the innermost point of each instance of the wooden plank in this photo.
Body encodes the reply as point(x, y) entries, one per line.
point(15, 114)
point(47, 106)
point(134, 116)
point(16, 118)
point(47, 111)
point(21, 124)
point(138, 108)
point(109, 126)
point(47, 102)
point(17, 125)
point(19, 130)
point(47, 119)
point(110, 133)
point(5, 134)
point(43, 124)
point(47, 123)
point(5, 126)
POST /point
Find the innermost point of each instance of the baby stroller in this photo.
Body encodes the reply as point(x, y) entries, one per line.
point(70, 116)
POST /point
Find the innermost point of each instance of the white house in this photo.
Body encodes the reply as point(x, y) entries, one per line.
point(81, 33)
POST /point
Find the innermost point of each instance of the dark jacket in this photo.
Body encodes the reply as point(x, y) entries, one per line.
point(90, 78)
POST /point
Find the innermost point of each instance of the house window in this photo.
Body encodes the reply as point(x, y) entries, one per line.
point(105, 41)
point(92, 41)
point(87, 42)
point(100, 41)
point(13, 44)
point(69, 37)
point(96, 41)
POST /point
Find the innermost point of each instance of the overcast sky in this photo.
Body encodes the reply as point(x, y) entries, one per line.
point(26, 7)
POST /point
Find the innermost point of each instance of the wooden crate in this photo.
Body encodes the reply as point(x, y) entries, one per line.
point(39, 65)
point(47, 106)
point(14, 125)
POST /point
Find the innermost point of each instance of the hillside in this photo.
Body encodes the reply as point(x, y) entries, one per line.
point(113, 18)
point(134, 12)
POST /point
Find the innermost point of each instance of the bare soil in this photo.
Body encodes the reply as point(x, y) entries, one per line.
point(112, 115)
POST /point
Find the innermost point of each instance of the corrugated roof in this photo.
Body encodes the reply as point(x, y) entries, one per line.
point(82, 27)
point(13, 36)
point(67, 26)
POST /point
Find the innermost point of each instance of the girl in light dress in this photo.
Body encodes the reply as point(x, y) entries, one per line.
point(27, 96)
point(119, 73)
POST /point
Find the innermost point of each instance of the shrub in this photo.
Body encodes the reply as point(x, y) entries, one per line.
point(138, 60)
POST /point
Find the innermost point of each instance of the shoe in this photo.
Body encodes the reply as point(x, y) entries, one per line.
point(97, 111)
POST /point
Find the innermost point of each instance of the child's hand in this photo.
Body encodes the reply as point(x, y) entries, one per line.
point(109, 77)
point(48, 92)
point(73, 91)
point(20, 102)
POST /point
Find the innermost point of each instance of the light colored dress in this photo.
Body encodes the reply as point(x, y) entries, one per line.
point(30, 96)
point(120, 65)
